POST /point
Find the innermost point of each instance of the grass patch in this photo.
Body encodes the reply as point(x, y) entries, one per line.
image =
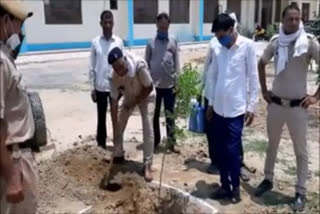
point(256, 145)
point(291, 170)
point(313, 203)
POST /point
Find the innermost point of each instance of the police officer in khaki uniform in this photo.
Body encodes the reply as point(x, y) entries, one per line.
point(288, 100)
point(16, 119)
point(132, 79)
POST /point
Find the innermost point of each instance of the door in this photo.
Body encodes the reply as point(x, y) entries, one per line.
point(235, 6)
point(305, 11)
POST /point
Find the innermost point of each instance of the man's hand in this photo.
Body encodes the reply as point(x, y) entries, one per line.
point(15, 190)
point(94, 96)
point(209, 113)
point(309, 100)
point(249, 118)
point(267, 96)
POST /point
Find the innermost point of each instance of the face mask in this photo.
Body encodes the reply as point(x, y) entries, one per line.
point(162, 35)
point(16, 51)
point(225, 40)
point(13, 41)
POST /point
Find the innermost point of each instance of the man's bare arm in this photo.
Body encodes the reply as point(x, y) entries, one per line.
point(9, 170)
point(263, 82)
point(114, 115)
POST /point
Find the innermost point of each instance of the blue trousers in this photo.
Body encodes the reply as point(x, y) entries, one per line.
point(227, 134)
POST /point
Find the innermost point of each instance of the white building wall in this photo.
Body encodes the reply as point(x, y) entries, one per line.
point(181, 31)
point(38, 32)
point(314, 7)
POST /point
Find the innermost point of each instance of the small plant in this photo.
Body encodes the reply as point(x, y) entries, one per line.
point(188, 87)
point(271, 31)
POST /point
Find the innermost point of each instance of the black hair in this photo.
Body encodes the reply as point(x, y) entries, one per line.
point(106, 13)
point(5, 12)
point(292, 6)
point(163, 16)
point(222, 22)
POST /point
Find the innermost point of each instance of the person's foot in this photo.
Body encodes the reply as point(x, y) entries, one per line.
point(235, 195)
point(174, 149)
point(118, 160)
point(148, 174)
point(212, 169)
point(299, 202)
point(221, 193)
point(265, 186)
point(244, 174)
point(103, 146)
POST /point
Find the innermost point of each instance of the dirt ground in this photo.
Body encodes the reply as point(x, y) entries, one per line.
point(71, 166)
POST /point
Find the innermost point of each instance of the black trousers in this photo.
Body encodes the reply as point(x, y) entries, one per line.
point(102, 107)
point(169, 97)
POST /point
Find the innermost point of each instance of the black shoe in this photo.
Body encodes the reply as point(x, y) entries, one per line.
point(213, 169)
point(221, 193)
point(265, 186)
point(174, 149)
point(244, 174)
point(235, 197)
point(118, 160)
point(103, 146)
point(299, 202)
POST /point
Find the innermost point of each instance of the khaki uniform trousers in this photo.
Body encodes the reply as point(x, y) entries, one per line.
point(146, 108)
point(296, 120)
point(30, 187)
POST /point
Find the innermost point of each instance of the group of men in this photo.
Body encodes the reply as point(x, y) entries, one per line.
point(144, 83)
point(231, 80)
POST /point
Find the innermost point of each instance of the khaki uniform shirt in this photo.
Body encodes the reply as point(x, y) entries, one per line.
point(292, 82)
point(131, 85)
point(15, 108)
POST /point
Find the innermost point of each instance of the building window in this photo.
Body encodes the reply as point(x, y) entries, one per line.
point(266, 14)
point(145, 11)
point(305, 12)
point(211, 9)
point(63, 12)
point(234, 6)
point(179, 5)
point(278, 11)
point(114, 4)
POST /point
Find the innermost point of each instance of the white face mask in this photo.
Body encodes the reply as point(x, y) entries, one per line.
point(13, 41)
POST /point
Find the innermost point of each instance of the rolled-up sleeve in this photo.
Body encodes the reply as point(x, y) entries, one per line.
point(268, 53)
point(314, 50)
point(144, 75)
point(252, 77)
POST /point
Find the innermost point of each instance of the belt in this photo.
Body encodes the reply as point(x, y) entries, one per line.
point(286, 102)
point(24, 145)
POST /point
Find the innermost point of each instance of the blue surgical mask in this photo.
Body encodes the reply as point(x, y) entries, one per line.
point(225, 40)
point(162, 35)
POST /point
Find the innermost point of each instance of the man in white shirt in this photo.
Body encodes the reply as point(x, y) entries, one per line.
point(234, 96)
point(100, 71)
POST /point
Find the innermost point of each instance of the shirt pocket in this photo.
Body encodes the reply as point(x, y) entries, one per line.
point(168, 62)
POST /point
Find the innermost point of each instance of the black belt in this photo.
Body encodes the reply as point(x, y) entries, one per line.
point(25, 145)
point(285, 102)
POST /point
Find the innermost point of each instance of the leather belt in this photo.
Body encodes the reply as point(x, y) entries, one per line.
point(25, 145)
point(286, 102)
